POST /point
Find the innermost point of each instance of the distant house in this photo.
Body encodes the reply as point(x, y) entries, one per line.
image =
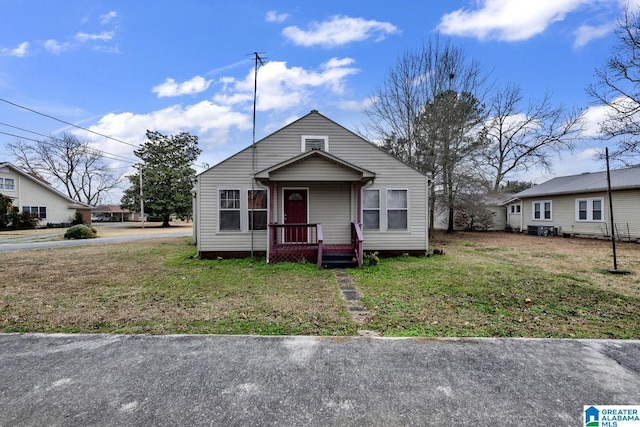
point(33, 194)
point(312, 190)
point(113, 213)
point(489, 204)
point(579, 205)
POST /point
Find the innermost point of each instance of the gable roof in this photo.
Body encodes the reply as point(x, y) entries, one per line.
point(365, 174)
point(42, 183)
point(311, 113)
point(590, 182)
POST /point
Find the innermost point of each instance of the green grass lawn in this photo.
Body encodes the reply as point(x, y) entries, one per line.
point(160, 287)
point(441, 297)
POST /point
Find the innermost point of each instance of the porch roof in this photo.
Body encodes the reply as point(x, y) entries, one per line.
point(325, 165)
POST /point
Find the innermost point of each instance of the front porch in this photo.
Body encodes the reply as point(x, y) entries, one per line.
point(305, 242)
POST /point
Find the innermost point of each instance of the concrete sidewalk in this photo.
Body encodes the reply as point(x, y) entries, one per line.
point(115, 380)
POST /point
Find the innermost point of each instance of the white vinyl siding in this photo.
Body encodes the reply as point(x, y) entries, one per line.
point(397, 209)
point(371, 209)
point(590, 209)
point(542, 210)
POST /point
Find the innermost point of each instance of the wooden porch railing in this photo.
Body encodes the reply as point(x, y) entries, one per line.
point(305, 242)
point(356, 241)
point(295, 242)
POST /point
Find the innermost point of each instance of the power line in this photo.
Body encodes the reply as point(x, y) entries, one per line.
point(68, 123)
point(101, 152)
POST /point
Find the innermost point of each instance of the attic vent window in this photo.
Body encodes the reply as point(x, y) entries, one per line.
point(314, 142)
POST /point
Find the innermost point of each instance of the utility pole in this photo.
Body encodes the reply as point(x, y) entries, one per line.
point(141, 200)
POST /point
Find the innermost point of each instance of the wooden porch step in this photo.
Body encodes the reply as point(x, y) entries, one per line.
point(339, 260)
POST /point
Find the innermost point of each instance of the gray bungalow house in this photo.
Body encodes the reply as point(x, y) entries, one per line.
point(313, 191)
point(579, 205)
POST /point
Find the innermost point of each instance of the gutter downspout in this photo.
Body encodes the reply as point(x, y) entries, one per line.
point(426, 211)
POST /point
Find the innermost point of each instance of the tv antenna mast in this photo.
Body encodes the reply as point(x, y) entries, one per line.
point(258, 61)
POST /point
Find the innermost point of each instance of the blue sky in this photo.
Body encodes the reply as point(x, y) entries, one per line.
point(121, 67)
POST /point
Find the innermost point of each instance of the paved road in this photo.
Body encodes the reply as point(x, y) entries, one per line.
point(118, 380)
point(96, 241)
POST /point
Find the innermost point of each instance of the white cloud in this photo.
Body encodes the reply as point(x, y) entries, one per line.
point(507, 20)
point(189, 87)
point(595, 115)
point(281, 87)
point(21, 51)
point(588, 154)
point(55, 46)
point(586, 33)
point(274, 16)
point(212, 123)
point(103, 36)
point(108, 17)
point(338, 31)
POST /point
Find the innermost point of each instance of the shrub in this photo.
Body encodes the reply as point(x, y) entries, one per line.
point(77, 219)
point(80, 231)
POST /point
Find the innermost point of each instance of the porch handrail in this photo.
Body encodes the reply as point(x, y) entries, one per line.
point(356, 240)
point(320, 239)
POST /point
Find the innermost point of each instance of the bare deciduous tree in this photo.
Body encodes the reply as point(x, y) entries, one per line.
point(617, 87)
point(520, 137)
point(69, 164)
point(425, 113)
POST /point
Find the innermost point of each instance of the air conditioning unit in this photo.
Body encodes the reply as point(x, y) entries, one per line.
point(542, 230)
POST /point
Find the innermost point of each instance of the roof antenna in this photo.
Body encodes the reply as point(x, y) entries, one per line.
point(258, 61)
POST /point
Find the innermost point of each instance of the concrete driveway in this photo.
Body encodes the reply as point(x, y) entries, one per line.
point(119, 380)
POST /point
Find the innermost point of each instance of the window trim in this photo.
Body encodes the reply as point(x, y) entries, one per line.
point(35, 210)
point(589, 201)
point(266, 209)
point(387, 209)
point(304, 138)
point(379, 209)
point(3, 184)
point(515, 209)
point(239, 210)
point(542, 211)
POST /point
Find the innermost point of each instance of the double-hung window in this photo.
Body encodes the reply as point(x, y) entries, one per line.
point(542, 210)
point(257, 209)
point(230, 210)
point(7, 184)
point(590, 209)
point(371, 209)
point(397, 210)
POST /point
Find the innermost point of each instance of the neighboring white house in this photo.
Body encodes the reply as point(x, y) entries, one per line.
point(311, 190)
point(579, 205)
point(34, 195)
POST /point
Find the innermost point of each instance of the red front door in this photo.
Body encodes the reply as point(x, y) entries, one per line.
point(295, 212)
